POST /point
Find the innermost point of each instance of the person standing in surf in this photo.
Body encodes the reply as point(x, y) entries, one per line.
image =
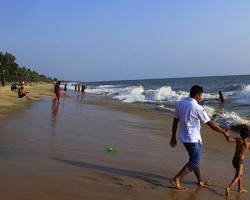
point(83, 91)
point(65, 87)
point(221, 97)
point(57, 91)
point(189, 115)
point(78, 88)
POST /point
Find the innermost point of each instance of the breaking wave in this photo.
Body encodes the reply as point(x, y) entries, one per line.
point(164, 98)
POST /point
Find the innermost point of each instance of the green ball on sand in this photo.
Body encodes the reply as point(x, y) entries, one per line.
point(110, 149)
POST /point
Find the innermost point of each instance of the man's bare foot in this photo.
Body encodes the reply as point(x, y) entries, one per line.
point(176, 184)
point(242, 190)
point(205, 183)
point(227, 192)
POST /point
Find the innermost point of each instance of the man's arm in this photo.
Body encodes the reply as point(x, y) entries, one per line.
point(173, 141)
point(231, 139)
point(217, 128)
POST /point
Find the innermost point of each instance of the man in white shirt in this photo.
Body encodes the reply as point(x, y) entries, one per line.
point(189, 114)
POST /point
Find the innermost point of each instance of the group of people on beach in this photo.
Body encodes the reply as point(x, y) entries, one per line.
point(189, 115)
point(78, 88)
point(21, 92)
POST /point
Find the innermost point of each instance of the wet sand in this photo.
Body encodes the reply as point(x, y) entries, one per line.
point(51, 151)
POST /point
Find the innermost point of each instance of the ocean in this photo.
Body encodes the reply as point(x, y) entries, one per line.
point(162, 94)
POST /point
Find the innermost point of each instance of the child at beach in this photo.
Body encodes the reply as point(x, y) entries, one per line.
point(242, 146)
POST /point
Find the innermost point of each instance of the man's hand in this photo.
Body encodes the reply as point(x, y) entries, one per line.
point(226, 133)
point(173, 142)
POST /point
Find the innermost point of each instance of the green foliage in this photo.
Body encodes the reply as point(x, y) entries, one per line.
point(12, 72)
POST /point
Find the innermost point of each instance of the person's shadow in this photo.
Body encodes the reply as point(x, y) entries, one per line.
point(151, 178)
point(145, 176)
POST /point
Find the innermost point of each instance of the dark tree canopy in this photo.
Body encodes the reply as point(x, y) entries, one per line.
point(12, 72)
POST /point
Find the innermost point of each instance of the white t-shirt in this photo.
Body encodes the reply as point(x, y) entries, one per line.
point(190, 115)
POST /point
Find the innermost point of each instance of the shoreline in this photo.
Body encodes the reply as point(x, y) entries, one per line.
point(10, 103)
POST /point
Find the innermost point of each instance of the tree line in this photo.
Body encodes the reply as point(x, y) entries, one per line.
point(10, 71)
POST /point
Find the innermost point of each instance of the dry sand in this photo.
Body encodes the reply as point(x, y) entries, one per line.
point(51, 151)
point(9, 102)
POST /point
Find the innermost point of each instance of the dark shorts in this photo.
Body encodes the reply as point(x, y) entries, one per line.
point(194, 152)
point(236, 162)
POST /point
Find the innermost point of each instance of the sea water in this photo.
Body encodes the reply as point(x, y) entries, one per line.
point(162, 94)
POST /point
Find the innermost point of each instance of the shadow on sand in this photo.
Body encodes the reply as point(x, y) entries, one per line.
point(145, 176)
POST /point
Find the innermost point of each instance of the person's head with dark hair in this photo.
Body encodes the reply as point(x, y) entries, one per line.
point(196, 92)
point(244, 132)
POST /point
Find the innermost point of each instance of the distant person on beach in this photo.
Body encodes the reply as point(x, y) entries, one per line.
point(78, 88)
point(189, 114)
point(221, 97)
point(22, 93)
point(242, 146)
point(83, 91)
point(75, 87)
point(65, 87)
point(57, 91)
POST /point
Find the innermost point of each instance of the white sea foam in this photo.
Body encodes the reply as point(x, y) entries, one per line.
point(131, 94)
point(138, 94)
point(71, 87)
point(166, 93)
point(228, 119)
point(224, 118)
point(108, 86)
point(210, 110)
point(241, 96)
point(104, 90)
point(165, 98)
point(244, 95)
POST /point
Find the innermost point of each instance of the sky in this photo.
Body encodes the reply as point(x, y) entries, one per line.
point(95, 40)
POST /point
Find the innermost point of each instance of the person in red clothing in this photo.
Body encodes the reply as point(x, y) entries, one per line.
point(57, 91)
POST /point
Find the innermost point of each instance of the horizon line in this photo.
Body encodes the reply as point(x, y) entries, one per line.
point(157, 78)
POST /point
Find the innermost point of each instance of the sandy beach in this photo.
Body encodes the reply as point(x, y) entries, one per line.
point(9, 102)
point(51, 151)
point(105, 87)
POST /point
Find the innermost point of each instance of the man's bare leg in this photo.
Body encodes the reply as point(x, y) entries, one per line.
point(176, 180)
point(198, 176)
point(201, 182)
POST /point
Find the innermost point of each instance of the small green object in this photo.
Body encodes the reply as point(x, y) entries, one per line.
point(110, 149)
